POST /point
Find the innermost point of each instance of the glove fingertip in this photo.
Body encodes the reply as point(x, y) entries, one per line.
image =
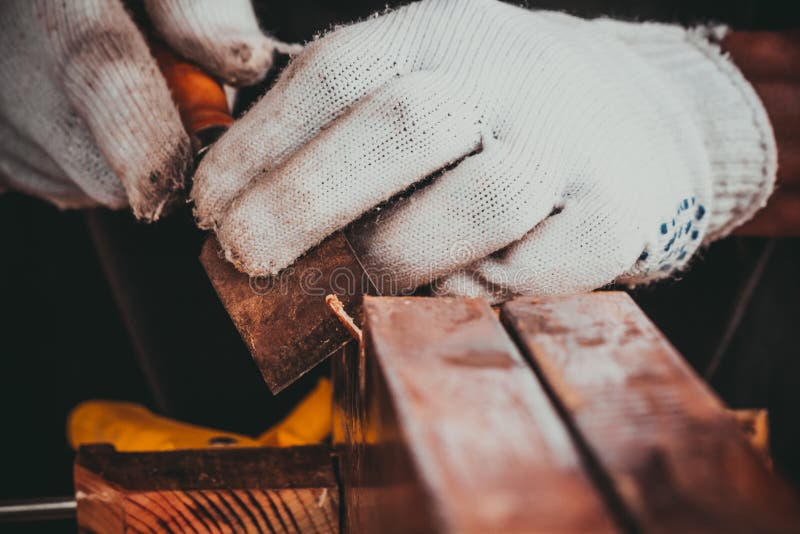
point(246, 61)
point(238, 249)
point(222, 37)
point(242, 60)
point(204, 196)
point(160, 187)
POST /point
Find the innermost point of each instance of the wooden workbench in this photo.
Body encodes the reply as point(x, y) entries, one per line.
point(561, 415)
point(555, 415)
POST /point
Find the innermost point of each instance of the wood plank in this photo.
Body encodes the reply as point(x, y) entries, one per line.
point(448, 430)
point(287, 490)
point(676, 459)
point(284, 320)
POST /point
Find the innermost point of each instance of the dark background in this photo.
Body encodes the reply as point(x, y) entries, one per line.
point(98, 306)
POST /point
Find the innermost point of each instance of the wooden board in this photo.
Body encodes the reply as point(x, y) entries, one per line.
point(284, 320)
point(676, 459)
point(286, 490)
point(447, 429)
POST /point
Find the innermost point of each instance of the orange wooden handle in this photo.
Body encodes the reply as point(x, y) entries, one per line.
point(200, 98)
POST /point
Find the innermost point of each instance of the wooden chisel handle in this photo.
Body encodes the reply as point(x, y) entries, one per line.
point(199, 97)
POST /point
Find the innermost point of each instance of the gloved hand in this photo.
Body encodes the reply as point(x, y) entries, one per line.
point(85, 116)
point(574, 153)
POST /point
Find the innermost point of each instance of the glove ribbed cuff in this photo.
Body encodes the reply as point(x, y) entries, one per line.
point(740, 138)
point(732, 119)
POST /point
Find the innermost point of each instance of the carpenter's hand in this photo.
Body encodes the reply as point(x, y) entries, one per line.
point(85, 116)
point(574, 152)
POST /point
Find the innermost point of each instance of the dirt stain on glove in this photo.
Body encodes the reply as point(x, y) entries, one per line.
point(114, 85)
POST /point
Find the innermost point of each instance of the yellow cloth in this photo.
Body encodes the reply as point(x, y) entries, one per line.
point(131, 427)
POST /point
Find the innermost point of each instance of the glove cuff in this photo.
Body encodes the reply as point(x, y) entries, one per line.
point(738, 134)
point(730, 116)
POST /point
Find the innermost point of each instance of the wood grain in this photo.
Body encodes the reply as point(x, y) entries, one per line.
point(284, 320)
point(287, 490)
point(448, 430)
point(676, 459)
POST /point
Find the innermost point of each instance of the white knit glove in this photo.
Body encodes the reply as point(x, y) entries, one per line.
point(85, 116)
point(585, 151)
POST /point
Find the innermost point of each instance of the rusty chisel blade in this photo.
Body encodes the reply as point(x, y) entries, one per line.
point(284, 320)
